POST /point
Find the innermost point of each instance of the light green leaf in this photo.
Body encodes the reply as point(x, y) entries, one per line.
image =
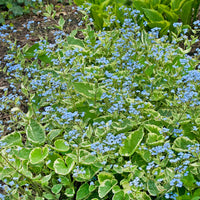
point(157, 95)
point(155, 139)
point(170, 14)
point(22, 153)
point(53, 134)
point(61, 22)
point(45, 179)
point(86, 157)
point(88, 90)
point(131, 142)
point(56, 188)
point(104, 176)
point(124, 126)
point(152, 188)
point(118, 195)
point(83, 191)
point(60, 166)
point(153, 128)
point(153, 15)
point(38, 154)
point(181, 144)
point(69, 192)
point(35, 132)
point(12, 139)
point(61, 145)
point(106, 186)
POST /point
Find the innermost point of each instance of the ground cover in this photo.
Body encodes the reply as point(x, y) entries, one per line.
point(114, 115)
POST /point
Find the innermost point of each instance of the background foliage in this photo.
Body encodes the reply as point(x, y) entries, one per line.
point(12, 8)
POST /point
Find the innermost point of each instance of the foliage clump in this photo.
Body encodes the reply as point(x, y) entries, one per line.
point(113, 116)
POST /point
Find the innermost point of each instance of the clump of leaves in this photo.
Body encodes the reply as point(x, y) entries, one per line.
point(113, 116)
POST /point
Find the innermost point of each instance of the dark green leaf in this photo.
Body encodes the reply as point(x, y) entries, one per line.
point(83, 191)
point(152, 188)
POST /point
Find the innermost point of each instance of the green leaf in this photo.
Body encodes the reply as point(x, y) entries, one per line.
point(170, 14)
point(181, 144)
point(45, 59)
point(45, 179)
point(53, 134)
point(61, 21)
point(131, 142)
point(105, 187)
point(51, 159)
point(143, 196)
point(83, 191)
point(164, 25)
point(177, 4)
point(104, 176)
point(12, 139)
point(30, 52)
point(61, 145)
point(22, 153)
point(48, 196)
point(139, 5)
point(152, 188)
point(124, 126)
point(86, 157)
point(17, 10)
point(56, 188)
point(186, 12)
point(69, 192)
point(60, 166)
point(118, 195)
point(153, 128)
point(153, 15)
point(189, 181)
point(38, 154)
point(35, 132)
point(196, 194)
point(157, 95)
point(154, 139)
point(75, 42)
point(88, 90)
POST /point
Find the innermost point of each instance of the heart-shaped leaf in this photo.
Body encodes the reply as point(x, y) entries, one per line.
point(61, 145)
point(60, 166)
point(38, 154)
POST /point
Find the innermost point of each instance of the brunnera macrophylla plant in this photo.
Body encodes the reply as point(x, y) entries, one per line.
point(113, 116)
